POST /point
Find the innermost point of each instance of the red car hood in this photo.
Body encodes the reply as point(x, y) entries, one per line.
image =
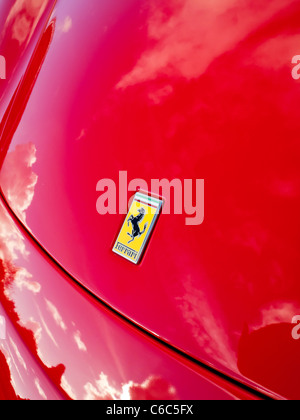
point(175, 90)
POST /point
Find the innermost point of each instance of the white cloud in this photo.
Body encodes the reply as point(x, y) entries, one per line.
point(195, 34)
point(22, 280)
point(276, 313)
point(56, 315)
point(18, 179)
point(23, 18)
point(80, 344)
point(40, 389)
point(66, 26)
point(153, 388)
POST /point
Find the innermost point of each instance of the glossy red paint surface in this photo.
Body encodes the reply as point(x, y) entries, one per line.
point(62, 343)
point(21, 24)
point(206, 92)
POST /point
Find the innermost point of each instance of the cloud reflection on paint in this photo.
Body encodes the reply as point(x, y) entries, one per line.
point(18, 180)
point(42, 331)
point(23, 19)
point(154, 388)
point(207, 328)
point(185, 44)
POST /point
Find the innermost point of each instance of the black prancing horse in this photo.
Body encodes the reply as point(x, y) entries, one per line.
point(135, 221)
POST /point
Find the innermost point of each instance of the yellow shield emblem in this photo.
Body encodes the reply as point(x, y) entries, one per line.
point(137, 227)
